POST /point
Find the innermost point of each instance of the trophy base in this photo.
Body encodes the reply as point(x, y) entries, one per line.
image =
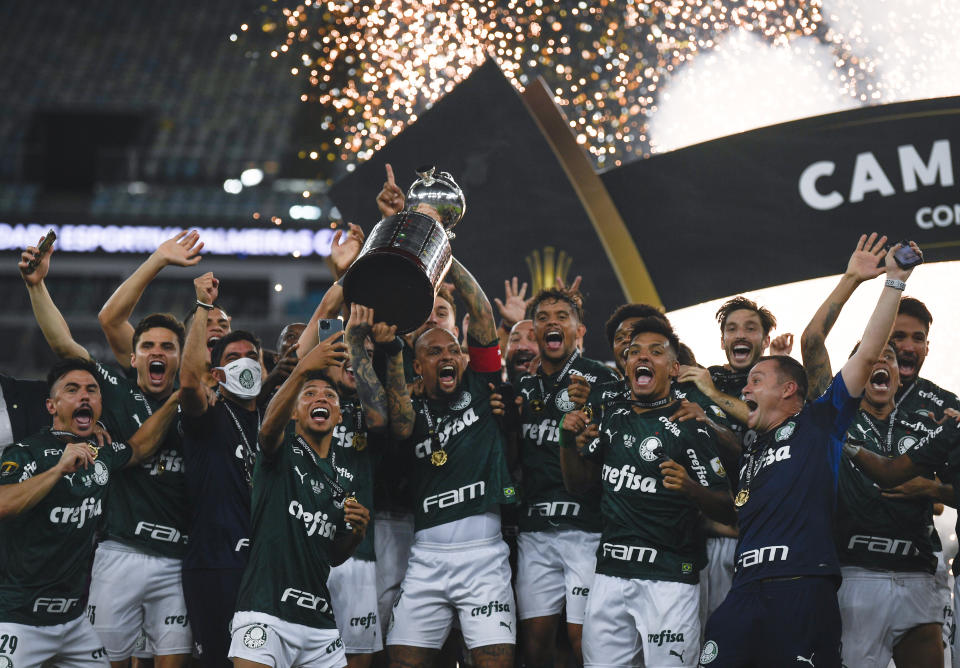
point(408, 299)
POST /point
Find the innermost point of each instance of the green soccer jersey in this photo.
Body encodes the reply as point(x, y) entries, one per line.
point(358, 459)
point(650, 532)
point(545, 503)
point(876, 532)
point(297, 514)
point(473, 477)
point(46, 551)
point(924, 398)
point(147, 508)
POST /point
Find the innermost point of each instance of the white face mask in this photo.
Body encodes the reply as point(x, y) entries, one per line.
point(243, 377)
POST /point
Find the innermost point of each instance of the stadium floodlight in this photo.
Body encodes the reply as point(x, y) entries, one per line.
point(233, 186)
point(251, 177)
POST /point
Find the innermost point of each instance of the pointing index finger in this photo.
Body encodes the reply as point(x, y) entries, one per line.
point(390, 179)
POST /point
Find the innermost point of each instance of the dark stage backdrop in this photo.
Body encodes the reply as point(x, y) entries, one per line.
point(770, 206)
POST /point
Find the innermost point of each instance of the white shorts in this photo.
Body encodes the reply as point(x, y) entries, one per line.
point(132, 592)
point(717, 578)
point(262, 638)
point(553, 568)
point(392, 540)
point(353, 594)
point(641, 623)
point(879, 607)
point(70, 645)
point(469, 579)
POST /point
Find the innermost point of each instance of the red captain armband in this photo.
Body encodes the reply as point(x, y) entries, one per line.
point(485, 360)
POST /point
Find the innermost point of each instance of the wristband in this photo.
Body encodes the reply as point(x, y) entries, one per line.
point(896, 284)
point(390, 347)
point(851, 450)
point(205, 306)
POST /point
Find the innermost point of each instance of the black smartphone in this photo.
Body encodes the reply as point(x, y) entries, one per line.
point(329, 326)
point(906, 257)
point(507, 392)
point(45, 244)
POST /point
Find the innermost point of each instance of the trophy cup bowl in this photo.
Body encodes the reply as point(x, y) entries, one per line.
point(406, 256)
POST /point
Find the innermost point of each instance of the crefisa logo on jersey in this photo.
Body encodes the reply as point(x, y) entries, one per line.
point(786, 431)
point(650, 448)
point(906, 443)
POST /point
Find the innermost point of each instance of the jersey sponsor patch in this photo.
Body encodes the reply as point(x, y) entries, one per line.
point(564, 405)
point(709, 652)
point(786, 431)
point(906, 443)
point(717, 411)
point(8, 468)
point(650, 448)
point(717, 467)
point(255, 636)
point(462, 401)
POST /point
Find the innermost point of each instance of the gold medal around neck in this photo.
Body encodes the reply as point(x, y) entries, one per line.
point(94, 450)
point(350, 499)
point(536, 405)
point(439, 458)
point(588, 411)
point(359, 442)
point(742, 497)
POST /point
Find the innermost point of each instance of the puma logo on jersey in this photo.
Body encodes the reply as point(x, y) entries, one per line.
point(629, 553)
point(801, 659)
point(763, 554)
point(679, 654)
point(547, 429)
point(454, 496)
point(296, 470)
point(627, 477)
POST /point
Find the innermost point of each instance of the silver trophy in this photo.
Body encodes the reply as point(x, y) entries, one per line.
point(406, 256)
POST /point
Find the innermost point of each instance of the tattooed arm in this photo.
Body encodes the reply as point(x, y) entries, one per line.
point(369, 389)
point(400, 404)
point(483, 329)
point(863, 266)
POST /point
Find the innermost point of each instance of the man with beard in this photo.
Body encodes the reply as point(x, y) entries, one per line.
point(520, 351)
point(363, 409)
point(657, 476)
point(784, 587)
point(305, 520)
point(559, 531)
point(910, 332)
point(887, 546)
point(52, 490)
point(220, 447)
point(136, 581)
point(458, 563)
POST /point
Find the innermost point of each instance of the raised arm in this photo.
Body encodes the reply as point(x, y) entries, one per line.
point(193, 367)
point(857, 369)
point(343, 251)
point(151, 434)
point(52, 324)
point(863, 265)
point(369, 389)
point(399, 403)
point(183, 250)
point(483, 329)
point(330, 352)
point(700, 377)
point(19, 497)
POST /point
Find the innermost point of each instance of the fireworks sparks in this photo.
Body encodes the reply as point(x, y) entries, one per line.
point(376, 65)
